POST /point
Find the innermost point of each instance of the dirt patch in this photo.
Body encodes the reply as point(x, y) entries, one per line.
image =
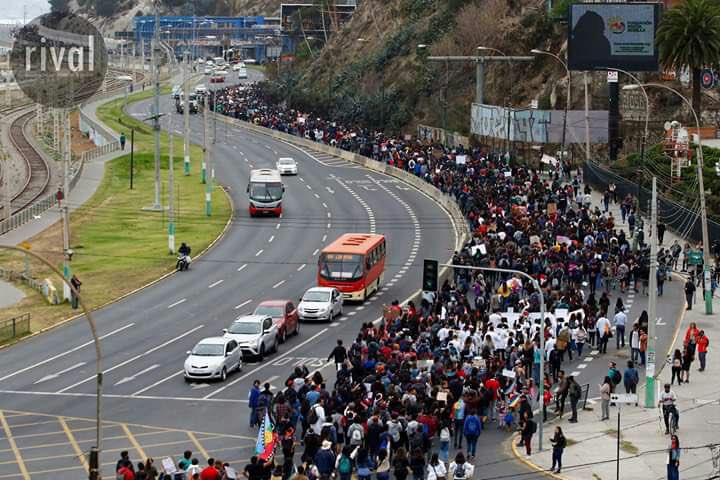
point(79, 141)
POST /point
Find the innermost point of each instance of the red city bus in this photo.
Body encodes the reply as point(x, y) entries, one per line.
point(354, 264)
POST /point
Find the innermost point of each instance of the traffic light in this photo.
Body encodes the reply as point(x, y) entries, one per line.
point(430, 275)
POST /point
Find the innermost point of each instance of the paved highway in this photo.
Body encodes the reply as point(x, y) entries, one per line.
point(48, 381)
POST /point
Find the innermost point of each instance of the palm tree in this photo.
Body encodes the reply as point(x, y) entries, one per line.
point(689, 37)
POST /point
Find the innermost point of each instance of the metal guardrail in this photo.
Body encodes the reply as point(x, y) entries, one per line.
point(14, 327)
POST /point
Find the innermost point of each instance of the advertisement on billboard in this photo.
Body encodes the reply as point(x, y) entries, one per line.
point(615, 35)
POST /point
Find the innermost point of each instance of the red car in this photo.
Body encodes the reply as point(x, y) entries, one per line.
point(284, 314)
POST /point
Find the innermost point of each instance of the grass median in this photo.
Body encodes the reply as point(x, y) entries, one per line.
point(119, 246)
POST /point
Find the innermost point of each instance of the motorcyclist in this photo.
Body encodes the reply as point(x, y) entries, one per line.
point(184, 252)
point(667, 400)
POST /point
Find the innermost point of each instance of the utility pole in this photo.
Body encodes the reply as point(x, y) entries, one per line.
point(186, 114)
point(705, 234)
point(156, 104)
point(171, 190)
point(652, 304)
point(203, 171)
point(206, 161)
point(67, 253)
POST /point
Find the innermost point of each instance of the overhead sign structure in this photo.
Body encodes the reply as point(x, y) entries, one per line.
point(613, 35)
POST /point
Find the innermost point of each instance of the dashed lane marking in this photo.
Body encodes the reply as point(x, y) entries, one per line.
point(588, 359)
point(316, 196)
point(316, 251)
point(301, 267)
point(325, 205)
point(277, 227)
point(324, 237)
point(582, 365)
point(278, 284)
point(242, 267)
point(259, 252)
point(160, 382)
point(238, 307)
point(594, 352)
point(215, 284)
point(272, 237)
point(334, 324)
point(177, 303)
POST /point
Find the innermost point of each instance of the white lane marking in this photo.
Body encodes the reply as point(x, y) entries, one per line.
point(343, 318)
point(68, 352)
point(324, 238)
point(241, 268)
point(278, 284)
point(271, 239)
point(329, 214)
point(660, 322)
point(252, 372)
point(215, 284)
point(316, 251)
point(588, 359)
point(325, 205)
point(56, 375)
point(316, 196)
point(177, 303)
point(308, 187)
point(575, 373)
point(330, 190)
point(594, 352)
point(301, 267)
point(329, 224)
point(259, 252)
point(582, 365)
point(238, 307)
point(277, 227)
point(301, 179)
point(143, 390)
point(334, 324)
point(125, 397)
point(352, 313)
point(361, 307)
point(136, 357)
point(133, 377)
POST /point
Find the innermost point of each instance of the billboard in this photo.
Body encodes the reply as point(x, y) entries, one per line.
point(615, 35)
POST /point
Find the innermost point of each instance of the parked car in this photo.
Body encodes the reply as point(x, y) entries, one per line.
point(256, 335)
point(287, 166)
point(213, 358)
point(284, 315)
point(201, 89)
point(320, 303)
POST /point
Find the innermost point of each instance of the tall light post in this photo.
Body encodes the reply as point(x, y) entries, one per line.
point(507, 97)
point(567, 99)
point(703, 208)
point(186, 114)
point(638, 85)
point(94, 463)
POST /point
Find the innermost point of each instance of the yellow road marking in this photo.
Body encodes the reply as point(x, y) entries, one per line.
point(14, 414)
point(134, 442)
point(13, 446)
point(31, 424)
point(197, 444)
point(155, 445)
point(117, 424)
point(89, 440)
point(73, 442)
point(55, 470)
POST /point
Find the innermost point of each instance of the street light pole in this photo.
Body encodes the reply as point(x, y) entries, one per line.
point(156, 104)
point(703, 207)
point(94, 464)
point(567, 99)
point(536, 287)
point(186, 115)
point(507, 99)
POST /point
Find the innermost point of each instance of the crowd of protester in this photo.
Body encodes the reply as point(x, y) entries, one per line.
point(413, 394)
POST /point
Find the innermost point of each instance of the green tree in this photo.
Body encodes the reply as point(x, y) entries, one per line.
point(689, 37)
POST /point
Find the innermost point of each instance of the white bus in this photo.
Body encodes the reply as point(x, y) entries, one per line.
point(265, 192)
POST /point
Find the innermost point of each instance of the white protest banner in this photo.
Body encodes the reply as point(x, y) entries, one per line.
point(460, 159)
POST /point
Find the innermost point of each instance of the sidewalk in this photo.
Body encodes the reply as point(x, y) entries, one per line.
point(591, 451)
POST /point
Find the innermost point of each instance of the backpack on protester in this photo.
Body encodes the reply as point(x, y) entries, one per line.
point(459, 473)
point(345, 466)
point(471, 427)
point(313, 416)
point(356, 437)
point(533, 427)
point(617, 377)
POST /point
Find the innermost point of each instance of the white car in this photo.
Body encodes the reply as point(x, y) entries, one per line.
point(320, 303)
point(287, 166)
point(238, 66)
point(256, 335)
point(208, 71)
point(242, 74)
point(200, 89)
point(213, 358)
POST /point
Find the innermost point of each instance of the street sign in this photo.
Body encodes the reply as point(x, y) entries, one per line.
point(612, 76)
point(695, 257)
point(707, 79)
point(623, 398)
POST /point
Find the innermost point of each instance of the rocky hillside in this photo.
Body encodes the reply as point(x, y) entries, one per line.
point(378, 50)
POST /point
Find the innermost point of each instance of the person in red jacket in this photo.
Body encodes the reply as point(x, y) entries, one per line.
point(210, 472)
point(126, 473)
point(702, 345)
point(493, 385)
point(691, 336)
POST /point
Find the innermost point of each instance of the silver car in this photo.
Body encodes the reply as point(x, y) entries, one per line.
point(213, 358)
point(320, 303)
point(256, 335)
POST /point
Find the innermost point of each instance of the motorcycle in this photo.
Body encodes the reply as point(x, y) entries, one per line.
point(183, 262)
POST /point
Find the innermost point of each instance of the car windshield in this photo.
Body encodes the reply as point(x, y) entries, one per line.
point(209, 349)
point(287, 161)
point(265, 192)
point(241, 328)
point(341, 266)
point(316, 297)
point(272, 311)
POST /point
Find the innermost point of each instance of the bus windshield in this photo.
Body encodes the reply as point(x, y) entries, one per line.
point(341, 266)
point(266, 192)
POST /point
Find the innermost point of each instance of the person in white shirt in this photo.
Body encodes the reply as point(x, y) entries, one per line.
point(461, 469)
point(436, 469)
point(603, 331)
point(443, 333)
point(619, 321)
point(494, 319)
point(320, 412)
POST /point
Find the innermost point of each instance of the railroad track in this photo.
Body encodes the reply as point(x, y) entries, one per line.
point(38, 177)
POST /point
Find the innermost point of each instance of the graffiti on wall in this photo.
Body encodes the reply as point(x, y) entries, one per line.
point(537, 126)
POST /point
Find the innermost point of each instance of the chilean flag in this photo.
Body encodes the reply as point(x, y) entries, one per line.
point(266, 440)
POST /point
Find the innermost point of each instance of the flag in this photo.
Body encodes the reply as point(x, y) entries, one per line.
point(266, 440)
